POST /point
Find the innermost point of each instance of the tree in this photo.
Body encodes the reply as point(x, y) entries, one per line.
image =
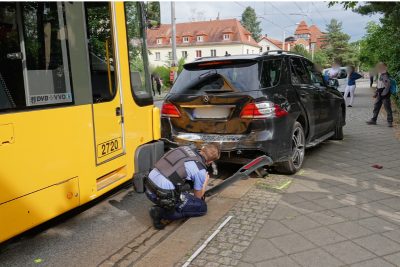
point(196, 15)
point(250, 23)
point(337, 45)
point(321, 58)
point(300, 49)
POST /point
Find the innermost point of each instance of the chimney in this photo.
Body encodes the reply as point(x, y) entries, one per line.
point(266, 35)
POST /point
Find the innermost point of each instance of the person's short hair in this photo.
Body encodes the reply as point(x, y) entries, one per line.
point(211, 152)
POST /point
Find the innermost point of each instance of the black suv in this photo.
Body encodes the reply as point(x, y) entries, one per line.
point(274, 104)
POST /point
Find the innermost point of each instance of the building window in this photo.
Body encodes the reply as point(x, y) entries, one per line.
point(252, 51)
point(170, 40)
point(247, 51)
point(267, 48)
point(198, 53)
point(302, 45)
point(169, 55)
point(159, 41)
point(186, 39)
point(227, 36)
point(249, 38)
point(199, 38)
point(184, 54)
point(213, 53)
point(158, 57)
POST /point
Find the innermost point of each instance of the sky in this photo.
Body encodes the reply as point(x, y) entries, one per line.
point(273, 20)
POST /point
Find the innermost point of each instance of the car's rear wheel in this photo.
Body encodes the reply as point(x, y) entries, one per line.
point(339, 127)
point(298, 148)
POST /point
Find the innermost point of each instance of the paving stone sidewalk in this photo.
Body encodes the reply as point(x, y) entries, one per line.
point(337, 211)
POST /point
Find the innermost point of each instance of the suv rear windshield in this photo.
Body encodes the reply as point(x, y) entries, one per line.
point(232, 76)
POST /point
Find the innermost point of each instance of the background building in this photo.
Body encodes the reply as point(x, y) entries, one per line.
point(304, 36)
point(200, 39)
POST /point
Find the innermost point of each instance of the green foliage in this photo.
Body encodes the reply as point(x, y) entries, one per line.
point(165, 70)
point(321, 58)
point(337, 45)
point(346, 4)
point(300, 49)
point(250, 23)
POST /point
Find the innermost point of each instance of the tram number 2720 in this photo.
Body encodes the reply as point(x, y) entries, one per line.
point(109, 147)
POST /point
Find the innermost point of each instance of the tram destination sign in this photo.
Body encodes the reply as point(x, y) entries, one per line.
point(36, 100)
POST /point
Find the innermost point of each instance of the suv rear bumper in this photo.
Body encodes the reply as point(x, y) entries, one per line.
point(243, 146)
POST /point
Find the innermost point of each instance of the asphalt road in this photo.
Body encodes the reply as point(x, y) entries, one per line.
point(89, 237)
point(158, 103)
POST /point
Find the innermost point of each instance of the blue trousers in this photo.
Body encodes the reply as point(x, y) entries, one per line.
point(191, 207)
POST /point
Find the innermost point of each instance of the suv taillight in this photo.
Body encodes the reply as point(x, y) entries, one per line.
point(262, 110)
point(169, 111)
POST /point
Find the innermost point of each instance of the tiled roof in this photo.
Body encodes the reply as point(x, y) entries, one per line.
point(302, 28)
point(214, 30)
point(315, 33)
point(277, 43)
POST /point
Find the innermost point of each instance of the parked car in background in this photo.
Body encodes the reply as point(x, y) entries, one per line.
point(342, 79)
point(274, 104)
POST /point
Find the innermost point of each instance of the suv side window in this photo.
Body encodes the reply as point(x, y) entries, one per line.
point(271, 73)
point(299, 74)
point(316, 77)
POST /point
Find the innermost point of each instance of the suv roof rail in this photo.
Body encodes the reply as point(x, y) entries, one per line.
point(281, 52)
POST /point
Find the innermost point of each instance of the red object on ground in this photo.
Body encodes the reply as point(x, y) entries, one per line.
point(377, 166)
point(171, 76)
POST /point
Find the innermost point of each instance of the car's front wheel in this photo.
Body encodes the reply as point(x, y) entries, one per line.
point(298, 148)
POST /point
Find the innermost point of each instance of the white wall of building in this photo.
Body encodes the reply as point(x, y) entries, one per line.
point(233, 49)
point(265, 44)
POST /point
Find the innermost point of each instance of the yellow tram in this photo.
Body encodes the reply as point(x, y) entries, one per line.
point(77, 117)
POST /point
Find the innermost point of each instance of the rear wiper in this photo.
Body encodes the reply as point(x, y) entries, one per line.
point(208, 73)
point(218, 91)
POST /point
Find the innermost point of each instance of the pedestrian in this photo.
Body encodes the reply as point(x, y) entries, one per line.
point(159, 83)
point(153, 81)
point(333, 72)
point(372, 74)
point(383, 94)
point(352, 76)
point(172, 173)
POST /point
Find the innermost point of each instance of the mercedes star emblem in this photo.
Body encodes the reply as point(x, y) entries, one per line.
point(205, 98)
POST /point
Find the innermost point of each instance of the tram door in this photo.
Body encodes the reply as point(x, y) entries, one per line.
point(107, 109)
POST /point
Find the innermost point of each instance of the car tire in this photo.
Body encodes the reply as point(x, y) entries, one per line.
point(338, 135)
point(298, 147)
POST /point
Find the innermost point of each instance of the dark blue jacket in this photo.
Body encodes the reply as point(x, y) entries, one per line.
point(353, 78)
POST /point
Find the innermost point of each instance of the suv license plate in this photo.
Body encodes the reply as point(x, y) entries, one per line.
point(210, 137)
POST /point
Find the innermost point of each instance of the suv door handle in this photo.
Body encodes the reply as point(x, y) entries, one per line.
point(303, 95)
point(118, 111)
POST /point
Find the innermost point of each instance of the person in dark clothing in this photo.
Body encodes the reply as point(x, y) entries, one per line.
point(383, 94)
point(158, 82)
point(372, 74)
point(153, 81)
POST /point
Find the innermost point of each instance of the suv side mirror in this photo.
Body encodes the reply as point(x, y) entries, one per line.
point(153, 15)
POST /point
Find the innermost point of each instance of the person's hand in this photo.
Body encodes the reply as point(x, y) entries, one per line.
point(207, 177)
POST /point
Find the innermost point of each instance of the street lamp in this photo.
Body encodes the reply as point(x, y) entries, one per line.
point(283, 35)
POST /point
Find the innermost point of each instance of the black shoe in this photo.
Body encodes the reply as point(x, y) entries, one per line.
point(349, 106)
point(371, 122)
point(156, 217)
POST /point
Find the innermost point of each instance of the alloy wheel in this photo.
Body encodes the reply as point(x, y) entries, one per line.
point(298, 147)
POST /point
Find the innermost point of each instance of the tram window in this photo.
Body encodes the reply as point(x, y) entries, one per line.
point(136, 52)
point(36, 71)
point(101, 53)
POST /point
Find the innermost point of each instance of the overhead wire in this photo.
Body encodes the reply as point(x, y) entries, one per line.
point(281, 12)
point(305, 14)
point(266, 19)
point(319, 12)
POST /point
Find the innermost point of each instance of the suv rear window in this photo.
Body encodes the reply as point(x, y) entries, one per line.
point(196, 78)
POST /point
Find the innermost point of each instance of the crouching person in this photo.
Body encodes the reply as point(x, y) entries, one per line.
point(174, 175)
